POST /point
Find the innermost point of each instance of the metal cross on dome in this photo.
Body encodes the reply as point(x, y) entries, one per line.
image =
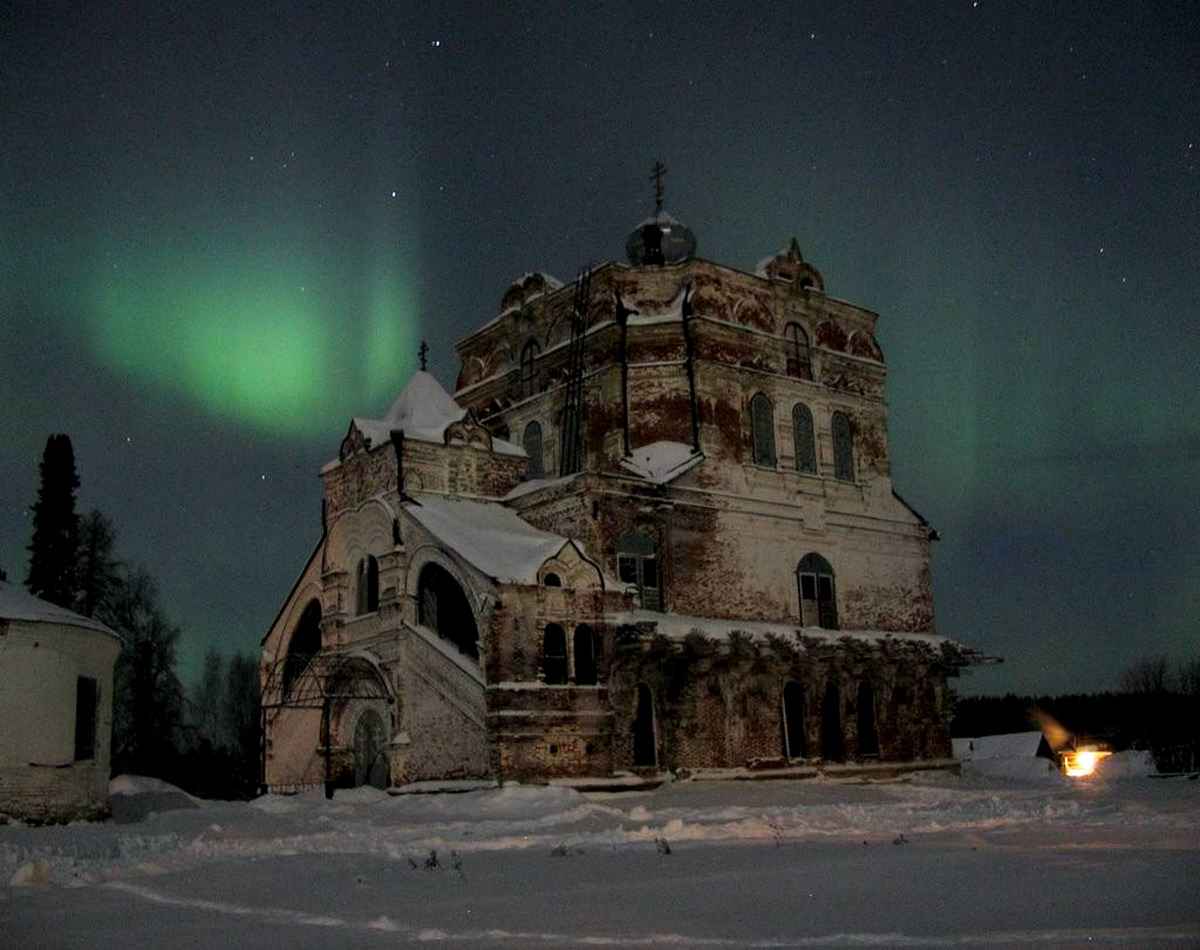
point(423, 353)
point(656, 176)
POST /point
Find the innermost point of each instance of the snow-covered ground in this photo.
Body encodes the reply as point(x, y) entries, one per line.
point(929, 860)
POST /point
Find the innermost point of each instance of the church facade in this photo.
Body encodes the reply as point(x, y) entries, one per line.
point(654, 528)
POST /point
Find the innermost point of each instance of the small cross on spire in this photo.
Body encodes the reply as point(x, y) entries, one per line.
point(423, 353)
point(656, 176)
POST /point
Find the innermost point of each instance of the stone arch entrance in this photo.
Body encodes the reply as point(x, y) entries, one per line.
point(370, 750)
point(645, 751)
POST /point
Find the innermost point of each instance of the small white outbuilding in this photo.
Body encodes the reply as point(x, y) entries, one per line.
point(56, 691)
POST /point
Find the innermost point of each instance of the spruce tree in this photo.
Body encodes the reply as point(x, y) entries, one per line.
point(54, 547)
point(98, 573)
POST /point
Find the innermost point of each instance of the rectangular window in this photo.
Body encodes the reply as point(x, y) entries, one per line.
point(649, 572)
point(86, 695)
point(627, 569)
point(808, 586)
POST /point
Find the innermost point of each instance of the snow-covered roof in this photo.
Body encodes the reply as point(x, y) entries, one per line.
point(18, 604)
point(1010, 745)
point(422, 412)
point(487, 535)
point(661, 462)
point(678, 626)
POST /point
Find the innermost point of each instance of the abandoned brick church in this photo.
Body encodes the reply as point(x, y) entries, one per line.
point(654, 528)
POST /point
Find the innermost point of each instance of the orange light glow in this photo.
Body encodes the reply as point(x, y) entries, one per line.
point(1082, 762)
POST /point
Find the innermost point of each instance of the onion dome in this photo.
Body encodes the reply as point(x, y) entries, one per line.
point(660, 239)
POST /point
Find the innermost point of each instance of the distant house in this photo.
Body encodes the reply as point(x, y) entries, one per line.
point(56, 709)
point(1013, 754)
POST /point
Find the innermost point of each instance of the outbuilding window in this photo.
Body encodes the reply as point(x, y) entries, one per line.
point(818, 598)
point(86, 698)
point(762, 430)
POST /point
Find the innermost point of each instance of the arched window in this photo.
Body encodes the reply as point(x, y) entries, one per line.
point(806, 443)
point(304, 645)
point(799, 364)
point(528, 370)
point(831, 724)
point(554, 655)
point(843, 447)
point(793, 720)
point(585, 656)
point(442, 606)
point(532, 443)
point(367, 596)
point(818, 597)
point(868, 737)
point(637, 566)
point(762, 430)
point(551, 580)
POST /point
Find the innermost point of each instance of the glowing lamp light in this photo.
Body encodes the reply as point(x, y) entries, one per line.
point(1082, 762)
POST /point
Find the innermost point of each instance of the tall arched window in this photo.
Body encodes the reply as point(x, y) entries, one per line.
point(442, 606)
point(304, 645)
point(843, 447)
point(528, 370)
point(645, 751)
point(585, 656)
point(831, 724)
point(818, 597)
point(532, 443)
point(799, 363)
point(806, 443)
point(793, 720)
point(762, 430)
point(554, 655)
point(637, 566)
point(367, 595)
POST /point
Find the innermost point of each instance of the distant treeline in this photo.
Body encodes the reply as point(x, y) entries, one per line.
point(1157, 708)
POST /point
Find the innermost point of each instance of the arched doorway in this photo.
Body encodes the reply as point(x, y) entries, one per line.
point(370, 750)
point(793, 721)
point(645, 753)
point(832, 749)
point(442, 606)
point(868, 735)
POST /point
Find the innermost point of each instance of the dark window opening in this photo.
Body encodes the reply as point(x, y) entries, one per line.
point(554, 655)
point(868, 736)
point(528, 372)
point(799, 362)
point(804, 439)
point(793, 721)
point(86, 699)
point(552, 580)
point(532, 444)
point(637, 566)
point(762, 430)
point(368, 585)
point(818, 596)
point(585, 656)
point(843, 447)
point(442, 606)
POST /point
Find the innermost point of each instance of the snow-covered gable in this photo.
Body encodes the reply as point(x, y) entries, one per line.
point(661, 462)
point(423, 412)
point(489, 536)
point(19, 605)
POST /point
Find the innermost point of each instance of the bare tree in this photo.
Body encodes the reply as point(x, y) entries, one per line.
point(1150, 675)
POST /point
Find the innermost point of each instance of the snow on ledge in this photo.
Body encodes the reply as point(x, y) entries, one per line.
point(661, 462)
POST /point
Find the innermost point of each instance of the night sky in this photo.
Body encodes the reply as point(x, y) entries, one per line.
point(223, 233)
